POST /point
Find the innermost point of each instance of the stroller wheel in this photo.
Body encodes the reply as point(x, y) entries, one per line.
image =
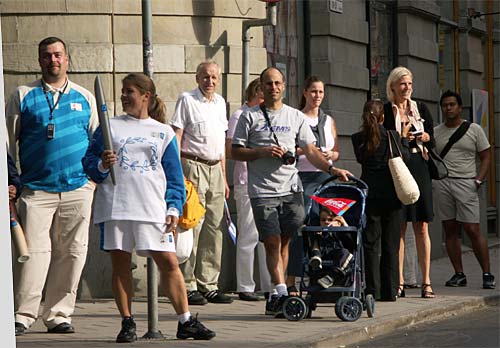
point(370, 305)
point(294, 309)
point(348, 308)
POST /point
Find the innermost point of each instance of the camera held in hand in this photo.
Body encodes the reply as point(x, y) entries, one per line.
point(288, 158)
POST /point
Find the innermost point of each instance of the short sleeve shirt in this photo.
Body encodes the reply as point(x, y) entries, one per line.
point(461, 159)
point(240, 176)
point(204, 124)
point(269, 177)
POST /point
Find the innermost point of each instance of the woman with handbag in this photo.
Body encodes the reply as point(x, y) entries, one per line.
point(401, 110)
point(384, 211)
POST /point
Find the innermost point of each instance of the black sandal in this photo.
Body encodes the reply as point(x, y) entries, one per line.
point(401, 291)
point(427, 293)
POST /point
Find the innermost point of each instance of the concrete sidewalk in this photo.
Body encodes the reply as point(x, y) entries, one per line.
point(243, 324)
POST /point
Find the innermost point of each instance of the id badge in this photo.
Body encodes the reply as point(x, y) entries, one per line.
point(51, 131)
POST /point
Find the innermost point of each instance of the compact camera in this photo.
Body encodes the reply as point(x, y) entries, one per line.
point(288, 158)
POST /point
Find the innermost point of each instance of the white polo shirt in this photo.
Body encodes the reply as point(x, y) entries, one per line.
point(203, 122)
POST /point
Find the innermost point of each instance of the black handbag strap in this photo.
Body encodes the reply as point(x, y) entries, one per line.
point(392, 137)
point(266, 116)
point(455, 137)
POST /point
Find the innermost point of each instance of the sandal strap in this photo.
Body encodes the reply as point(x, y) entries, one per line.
point(427, 293)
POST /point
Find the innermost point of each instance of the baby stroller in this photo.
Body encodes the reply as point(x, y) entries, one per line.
point(340, 278)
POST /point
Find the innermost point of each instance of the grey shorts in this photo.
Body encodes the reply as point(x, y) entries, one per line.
point(278, 215)
point(457, 199)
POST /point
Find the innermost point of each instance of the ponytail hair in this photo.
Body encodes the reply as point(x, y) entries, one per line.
point(156, 108)
point(373, 113)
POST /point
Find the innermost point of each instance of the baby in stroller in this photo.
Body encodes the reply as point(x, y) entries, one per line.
point(327, 245)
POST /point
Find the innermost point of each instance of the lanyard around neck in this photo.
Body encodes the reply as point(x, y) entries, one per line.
point(52, 108)
point(266, 116)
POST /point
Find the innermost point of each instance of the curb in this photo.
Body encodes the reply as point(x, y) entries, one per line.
point(357, 335)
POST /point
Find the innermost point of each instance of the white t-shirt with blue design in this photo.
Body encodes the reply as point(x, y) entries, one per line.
point(149, 178)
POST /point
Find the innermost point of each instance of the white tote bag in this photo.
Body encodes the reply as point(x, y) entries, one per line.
point(404, 183)
point(183, 244)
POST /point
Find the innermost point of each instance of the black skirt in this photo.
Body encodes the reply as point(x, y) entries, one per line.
point(422, 209)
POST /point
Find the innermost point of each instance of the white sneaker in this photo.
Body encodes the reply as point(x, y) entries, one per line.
point(315, 263)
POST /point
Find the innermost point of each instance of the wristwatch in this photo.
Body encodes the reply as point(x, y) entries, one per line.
point(330, 169)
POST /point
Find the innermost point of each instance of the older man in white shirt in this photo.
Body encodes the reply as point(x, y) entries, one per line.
point(200, 124)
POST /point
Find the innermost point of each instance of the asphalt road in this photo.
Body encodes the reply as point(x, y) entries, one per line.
point(478, 329)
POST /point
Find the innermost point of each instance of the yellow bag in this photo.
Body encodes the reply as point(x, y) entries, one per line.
point(193, 210)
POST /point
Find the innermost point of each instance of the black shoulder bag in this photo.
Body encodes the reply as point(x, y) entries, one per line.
point(459, 133)
point(437, 168)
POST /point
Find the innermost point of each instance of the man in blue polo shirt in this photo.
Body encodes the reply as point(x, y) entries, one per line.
point(50, 122)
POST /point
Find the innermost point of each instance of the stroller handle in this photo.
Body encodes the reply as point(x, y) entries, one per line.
point(359, 183)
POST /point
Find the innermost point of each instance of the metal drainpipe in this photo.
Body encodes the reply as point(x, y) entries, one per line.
point(271, 14)
point(152, 274)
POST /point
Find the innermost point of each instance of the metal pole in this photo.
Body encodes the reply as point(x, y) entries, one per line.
point(152, 274)
point(147, 38)
point(245, 62)
point(271, 14)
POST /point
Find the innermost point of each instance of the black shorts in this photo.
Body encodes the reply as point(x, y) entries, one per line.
point(278, 215)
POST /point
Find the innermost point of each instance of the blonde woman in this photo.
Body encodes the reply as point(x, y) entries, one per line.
point(399, 111)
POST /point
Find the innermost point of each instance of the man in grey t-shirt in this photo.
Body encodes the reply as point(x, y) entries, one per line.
point(457, 195)
point(274, 186)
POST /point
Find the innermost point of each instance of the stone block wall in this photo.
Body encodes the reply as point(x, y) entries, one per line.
point(105, 37)
point(338, 56)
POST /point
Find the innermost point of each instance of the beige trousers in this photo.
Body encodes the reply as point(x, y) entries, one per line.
point(56, 226)
point(201, 271)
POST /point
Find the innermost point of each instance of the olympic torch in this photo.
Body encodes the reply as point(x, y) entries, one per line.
point(102, 110)
point(18, 235)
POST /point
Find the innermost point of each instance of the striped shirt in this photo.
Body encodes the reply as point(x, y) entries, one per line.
point(53, 165)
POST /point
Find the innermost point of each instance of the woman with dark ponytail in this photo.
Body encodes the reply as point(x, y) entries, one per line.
point(383, 209)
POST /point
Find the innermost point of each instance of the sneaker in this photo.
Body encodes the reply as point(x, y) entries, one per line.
point(326, 281)
point(488, 281)
point(215, 296)
point(195, 298)
point(127, 333)
point(274, 306)
point(20, 328)
point(194, 329)
point(315, 262)
point(458, 279)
